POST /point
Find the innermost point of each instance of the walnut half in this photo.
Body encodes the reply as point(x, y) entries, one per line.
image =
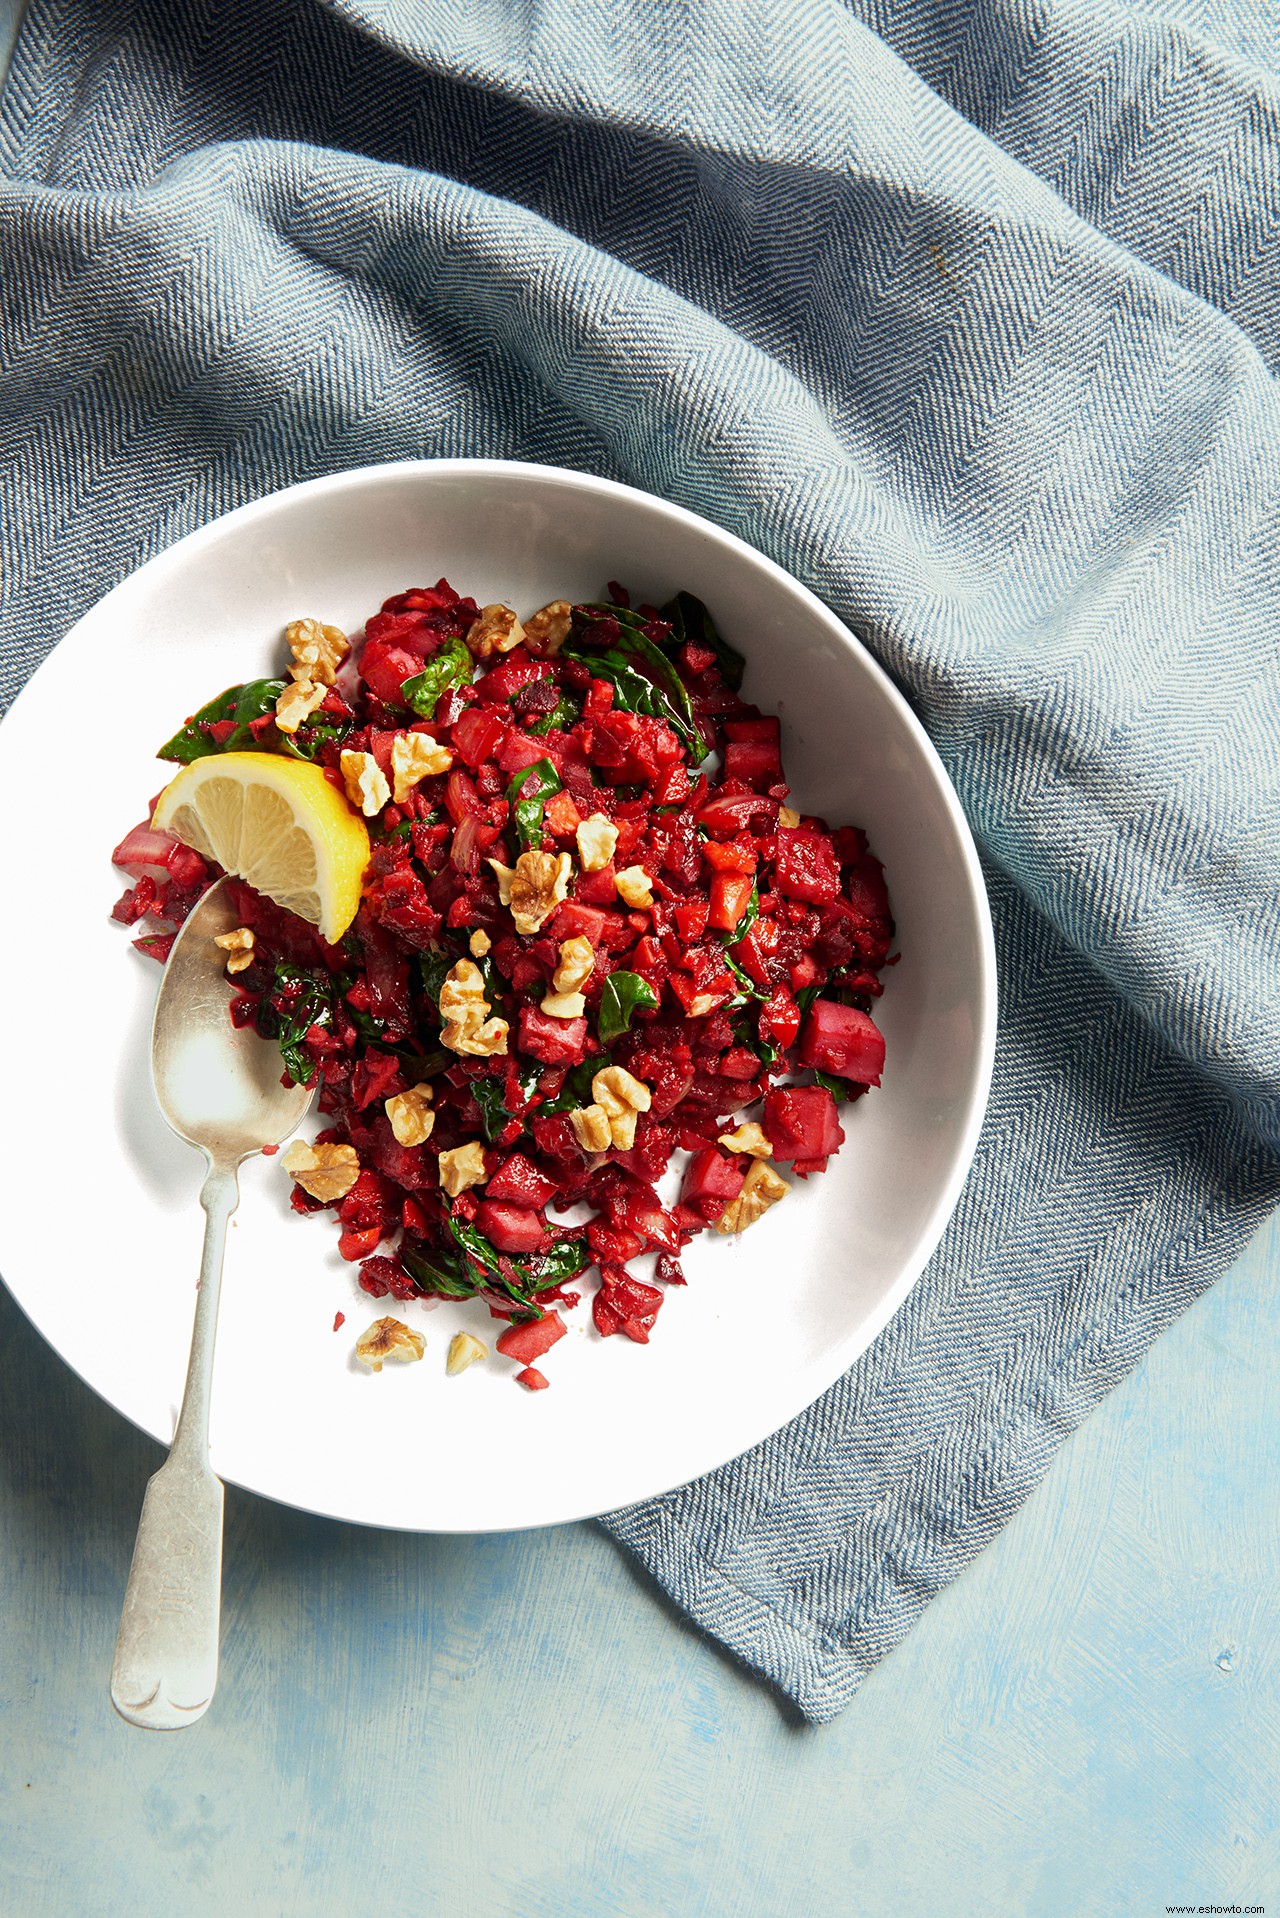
point(464, 1011)
point(410, 1115)
point(539, 882)
point(496, 631)
point(365, 782)
point(761, 1188)
point(546, 631)
point(389, 1339)
point(327, 1172)
point(318, 650)
point(622, 1098)
point(238, 946)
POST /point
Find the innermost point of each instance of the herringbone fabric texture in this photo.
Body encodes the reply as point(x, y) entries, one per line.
point(965, 313)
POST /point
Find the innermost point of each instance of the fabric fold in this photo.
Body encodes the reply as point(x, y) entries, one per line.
point(996, 387)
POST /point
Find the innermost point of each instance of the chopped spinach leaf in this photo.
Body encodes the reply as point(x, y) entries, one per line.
point(452, 666)
point(747, 984)
point(527, 796)
point(563, 715)
point(690, 620)
point(748, 919)
point(491, 1097)
point(576, 1090)
point(642, 677)
point(442, 1272)
point(622, 993)
point(238, 705)
point(295, 1001)
point(840, 1089)
point(435, 968)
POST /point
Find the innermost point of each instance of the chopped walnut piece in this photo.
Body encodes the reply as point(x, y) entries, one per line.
point(464, 1011)
point(563, 1005)
point(788, 816)
point(297, 702)
point(505, 876)
point(748, 1138)
point(541, 881)
point(496, 631)
point(415, 757)
point(238, 946)
point(411, 1115)
point(546, 630)
point(318, 650)
point(704, 1002)
point(634, 886)
point(622, 1098)
point(479, 1042)
point(365, 782)
point(479, 943)
point(577, 963)
point(462, 1167)
point(463, 1351)
point(327, 1172)
point(597, 837)
point(761, 1188)
point(389, 1339)
point(591, 1126)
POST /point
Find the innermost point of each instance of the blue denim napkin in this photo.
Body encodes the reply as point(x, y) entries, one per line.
point(967, 315)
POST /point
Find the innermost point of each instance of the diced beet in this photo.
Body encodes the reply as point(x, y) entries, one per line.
point(519, 750)
point(512, 1228)
point(141, 846)
point(753, 762)
point(187, 867)
point(597, 888)
point(730, 897)
point(478, 734)
point(841, 1040)
point(755, 952)
point(355, 1245)
point(641, 1213)
point(529, 1341)
point(384, 669)
point(780, 1017)
point(461, 797)
point(624, 1304)
point(727, 813)
point(711, 1179)
point(557, 1042)
point(561, 814)
point(522, 1182)
point(503, 682)
point(671, 786)
point(738, 854)
point(573, 920)
point(376, 1076)
point(805, 865)
point(800, 1122)
point(691, 919)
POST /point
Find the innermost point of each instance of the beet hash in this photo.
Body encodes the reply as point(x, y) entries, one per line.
point(592, 934)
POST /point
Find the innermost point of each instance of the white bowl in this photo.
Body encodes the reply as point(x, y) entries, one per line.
point(102, 1254)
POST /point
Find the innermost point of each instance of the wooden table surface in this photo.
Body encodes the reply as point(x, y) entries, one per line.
point(1085, 1723)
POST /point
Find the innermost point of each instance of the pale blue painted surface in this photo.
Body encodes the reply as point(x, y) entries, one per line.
point(1084, 1726)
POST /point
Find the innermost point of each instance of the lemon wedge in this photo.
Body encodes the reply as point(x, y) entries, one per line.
point(277, 823)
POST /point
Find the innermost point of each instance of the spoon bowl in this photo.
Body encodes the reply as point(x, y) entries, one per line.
point(217, 1085)
point(219, 1088)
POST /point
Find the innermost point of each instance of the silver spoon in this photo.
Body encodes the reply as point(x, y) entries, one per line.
point(219, 1089)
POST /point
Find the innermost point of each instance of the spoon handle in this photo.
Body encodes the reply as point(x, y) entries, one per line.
point(166, 1662)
